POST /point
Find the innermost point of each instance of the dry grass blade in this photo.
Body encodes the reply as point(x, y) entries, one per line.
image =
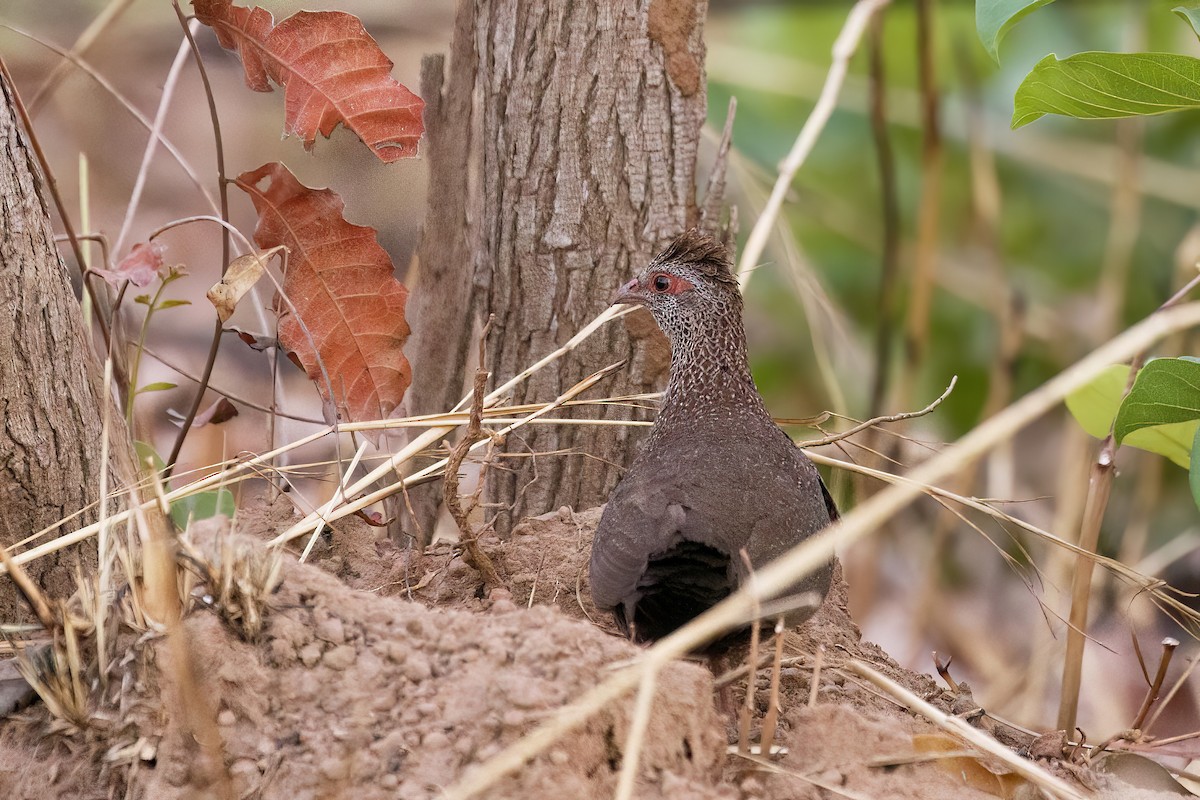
point(328, 514)
point(434, 435)
point(239, 576)
point(843, 49)
point(637, 736)
point(32, 593)
point(1048, 783)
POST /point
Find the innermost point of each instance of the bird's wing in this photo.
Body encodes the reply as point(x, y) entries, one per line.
point(642, 519)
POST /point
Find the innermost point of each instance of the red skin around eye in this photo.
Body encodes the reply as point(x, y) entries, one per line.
point(676, 285)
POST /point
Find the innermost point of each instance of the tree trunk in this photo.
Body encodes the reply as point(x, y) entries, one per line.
point(590, 129)
point(50, 393)
point(588, 118)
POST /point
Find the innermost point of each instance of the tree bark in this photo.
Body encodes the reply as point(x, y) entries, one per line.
point(586, 121)
point(50, 391)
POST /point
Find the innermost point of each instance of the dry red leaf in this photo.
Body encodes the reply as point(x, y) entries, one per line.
point(332, 72)
point(340, 283)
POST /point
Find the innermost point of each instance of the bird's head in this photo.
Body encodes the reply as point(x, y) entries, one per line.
point(687, 283)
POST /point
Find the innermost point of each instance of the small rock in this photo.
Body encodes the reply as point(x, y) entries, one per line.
point(416, 667)
point(435, 740)
point(331, 630)
point(558, 757)
point(340, 657)
point(226, 718)
point(282, 652)
point(310, 654)
point(389, 782)
point(335, 769)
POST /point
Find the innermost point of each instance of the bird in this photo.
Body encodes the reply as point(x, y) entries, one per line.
point(717, 483)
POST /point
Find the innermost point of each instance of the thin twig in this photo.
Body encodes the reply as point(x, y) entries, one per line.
point(111, 13)
point(223, 190)
point(1179, 683)
point(871, 423)
point(468, 538)
point(1168, 650)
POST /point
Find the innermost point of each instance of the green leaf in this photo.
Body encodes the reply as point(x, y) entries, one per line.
point(994, 18)
point(172, 304)
point(198, 506)
point(1165, 392)
point(1096, 405)
point(1108, 85)
point(144, 299)
point(146, 452)
point(202, 506)
point(159, 386)
point(1191, 14)
point(1172, 441)
point(1194, 469)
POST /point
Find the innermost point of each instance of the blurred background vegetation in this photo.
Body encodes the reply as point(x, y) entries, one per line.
point(1048, 241)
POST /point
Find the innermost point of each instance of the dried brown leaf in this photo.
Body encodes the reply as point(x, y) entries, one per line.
point(340, 284)
point(332, 72)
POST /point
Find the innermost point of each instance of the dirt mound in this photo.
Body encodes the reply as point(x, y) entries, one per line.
point(400, 691)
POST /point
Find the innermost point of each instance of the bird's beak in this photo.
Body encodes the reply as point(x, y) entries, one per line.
point(628, 294)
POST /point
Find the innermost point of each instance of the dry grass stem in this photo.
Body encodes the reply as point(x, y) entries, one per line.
point(1168, 650)
point(338, 495)
point(37, 600)
point(771, 719)
point(637, 736)
point(1040, 777)
point(815, 685)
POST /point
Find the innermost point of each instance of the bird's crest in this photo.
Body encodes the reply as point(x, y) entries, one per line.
point(702, 253)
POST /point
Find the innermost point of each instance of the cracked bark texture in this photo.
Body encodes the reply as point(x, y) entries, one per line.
point(575, 154)
point(50, 390)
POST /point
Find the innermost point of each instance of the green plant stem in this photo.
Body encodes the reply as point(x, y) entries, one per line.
point(137, 353)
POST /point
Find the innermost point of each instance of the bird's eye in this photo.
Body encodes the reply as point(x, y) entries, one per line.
point(661, 283)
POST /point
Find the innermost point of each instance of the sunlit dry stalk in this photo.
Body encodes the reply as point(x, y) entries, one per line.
point(640, 722)
point(111, 13)
point(1039, 776)
point(771, 719)
point(338, 495)
point(843, 50)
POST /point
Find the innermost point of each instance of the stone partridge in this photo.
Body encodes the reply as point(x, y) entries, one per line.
point(716, 476)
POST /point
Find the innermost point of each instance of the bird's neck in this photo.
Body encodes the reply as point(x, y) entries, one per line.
point(710, 375)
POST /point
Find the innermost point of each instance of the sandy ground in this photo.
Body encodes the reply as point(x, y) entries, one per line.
point(383, 674)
